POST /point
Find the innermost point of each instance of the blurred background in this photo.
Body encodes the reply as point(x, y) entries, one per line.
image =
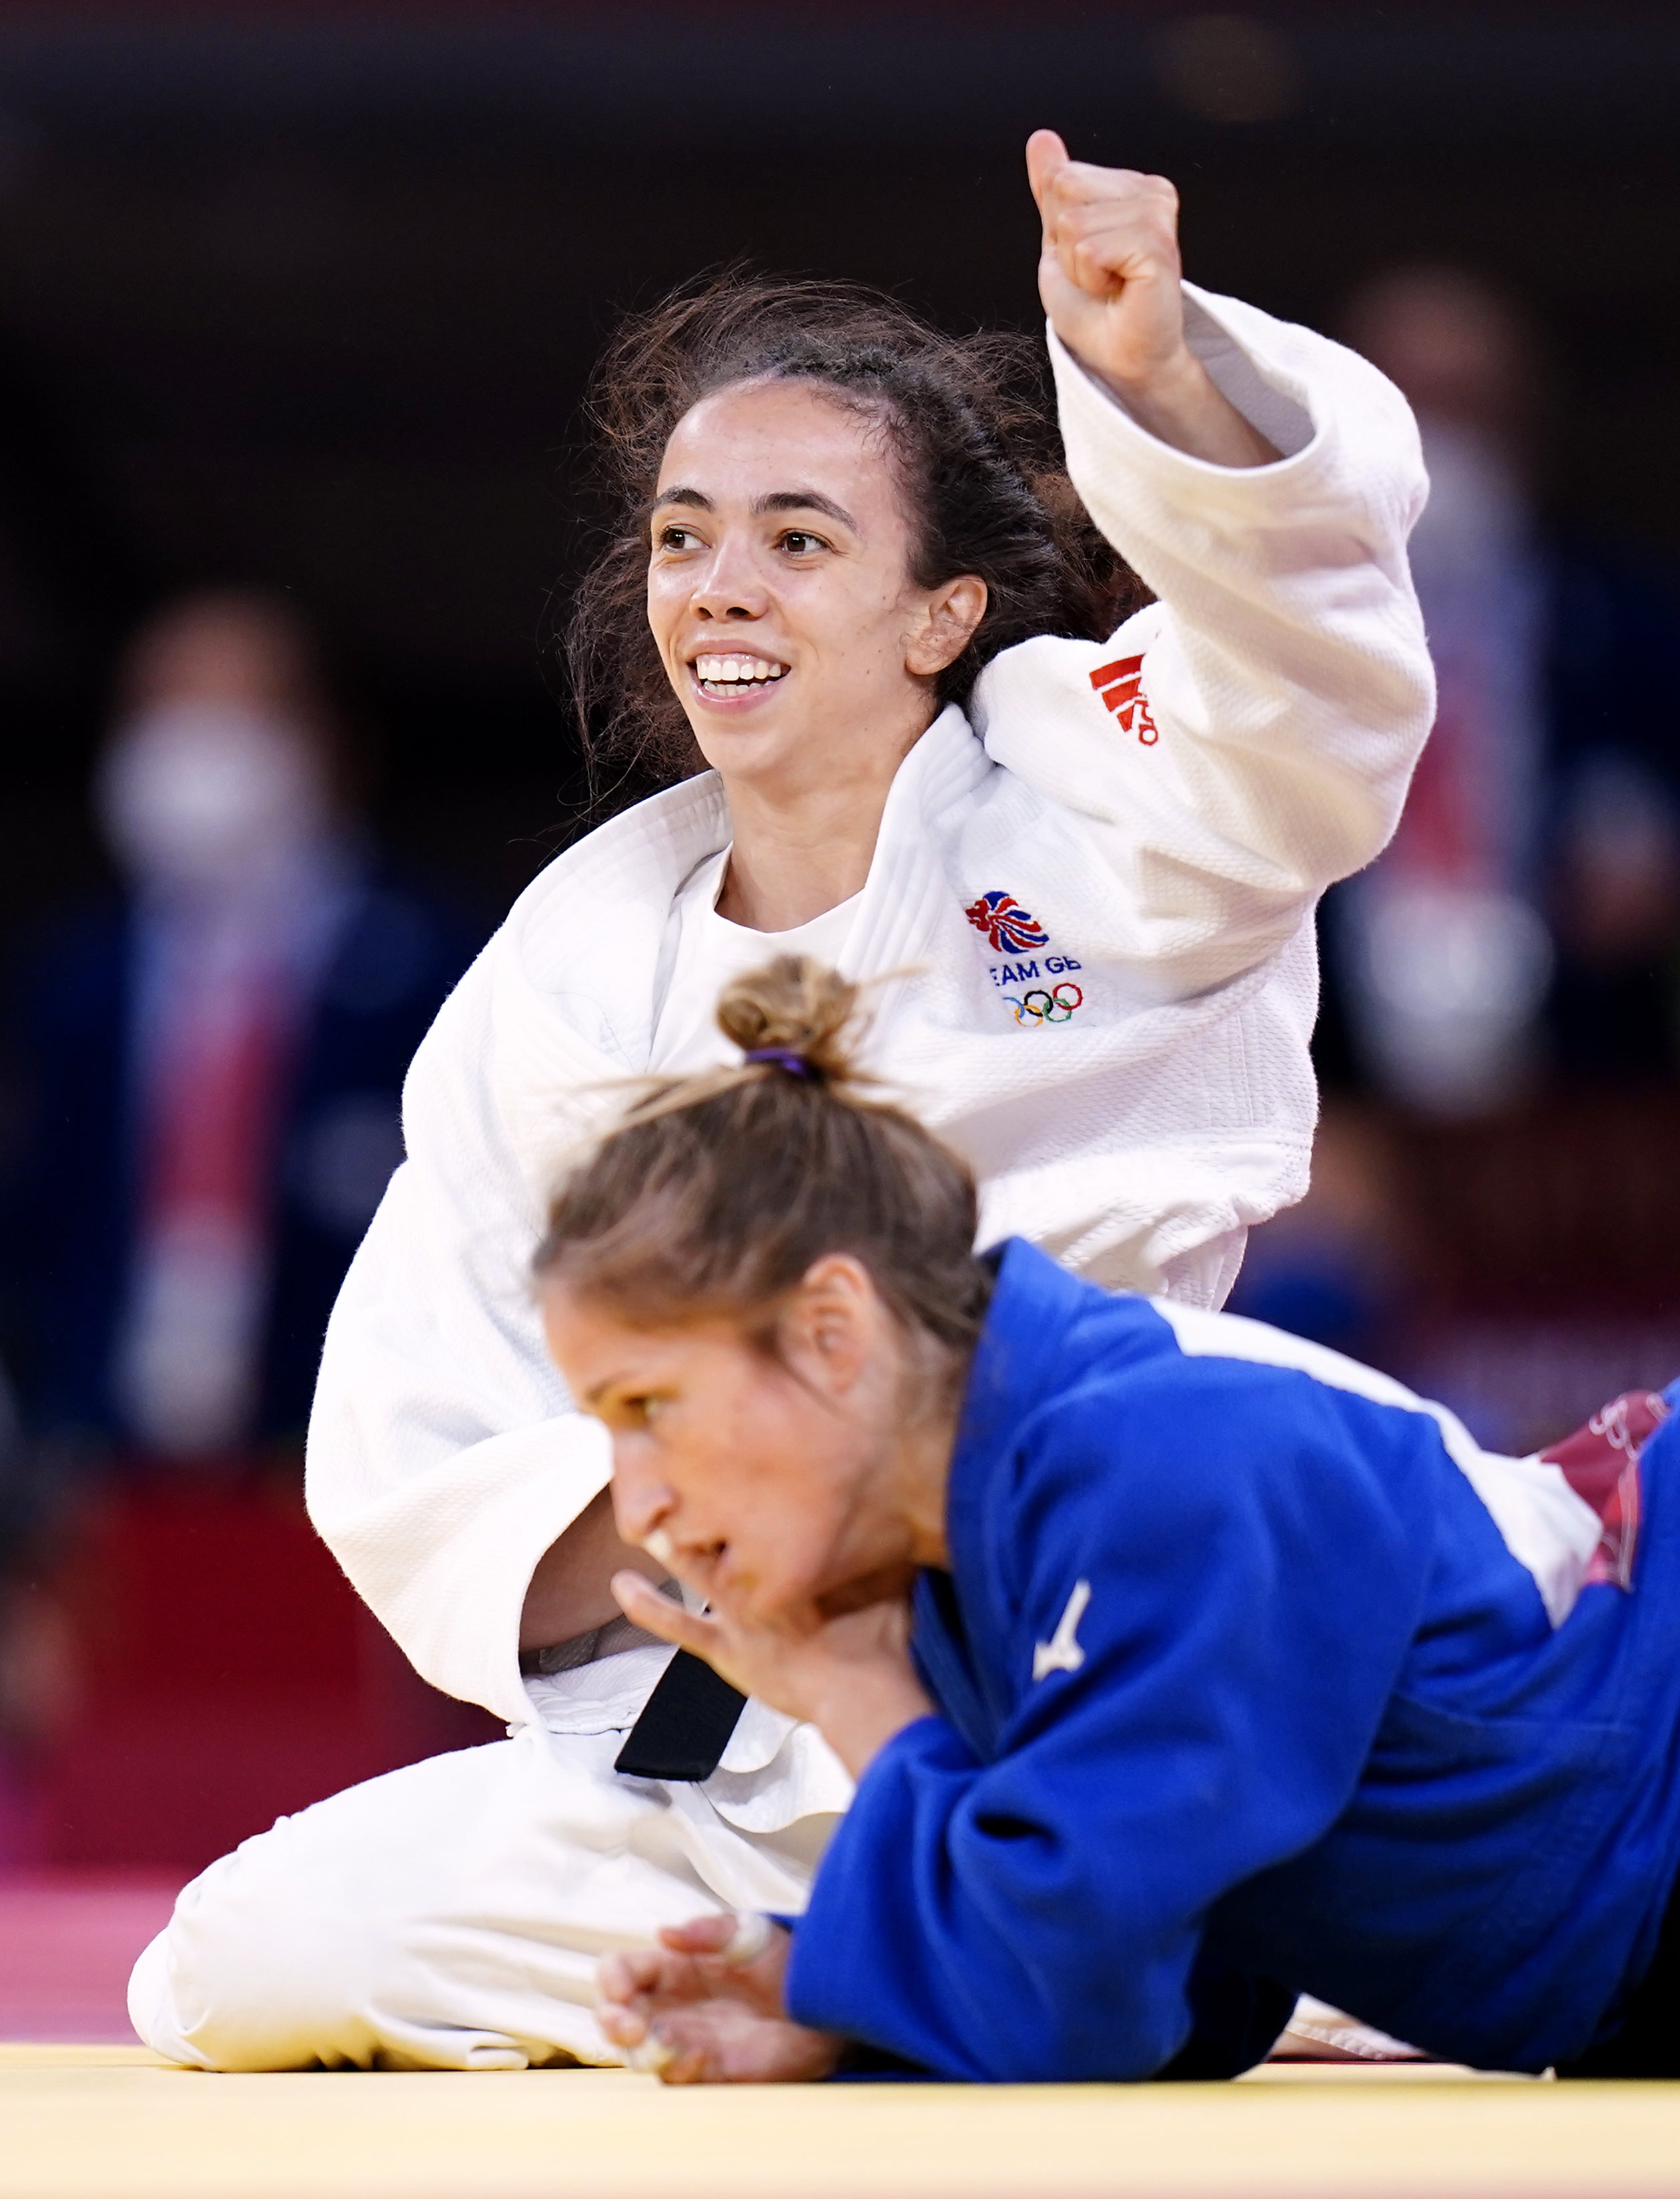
point(296, 306)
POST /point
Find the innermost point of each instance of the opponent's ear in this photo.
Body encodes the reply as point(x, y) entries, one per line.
point(946, 626)
point(828, 1323)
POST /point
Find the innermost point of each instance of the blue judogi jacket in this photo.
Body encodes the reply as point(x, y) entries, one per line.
point(1244, 1691)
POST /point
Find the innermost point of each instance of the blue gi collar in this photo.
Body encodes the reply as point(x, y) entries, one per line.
point(1020, 1362)
point(1019, 1365)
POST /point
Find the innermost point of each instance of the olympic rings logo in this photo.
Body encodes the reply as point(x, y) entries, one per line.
point(1040, 1006)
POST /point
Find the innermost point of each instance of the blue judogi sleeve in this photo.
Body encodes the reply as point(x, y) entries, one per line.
point(1255, 1555)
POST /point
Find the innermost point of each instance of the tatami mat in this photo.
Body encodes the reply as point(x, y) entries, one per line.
point(93, 2123)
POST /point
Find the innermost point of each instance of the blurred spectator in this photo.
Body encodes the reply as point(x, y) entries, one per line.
point(210, 1065)
point(1528, 906)
point(37, 1657)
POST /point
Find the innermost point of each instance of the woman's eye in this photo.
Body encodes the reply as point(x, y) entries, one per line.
point(677, 538)
point(799, 543)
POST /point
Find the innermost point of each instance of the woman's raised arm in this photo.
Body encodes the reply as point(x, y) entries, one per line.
point(1248, 738)
point(1111, 283)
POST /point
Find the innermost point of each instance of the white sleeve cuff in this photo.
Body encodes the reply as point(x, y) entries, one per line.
point(1271, 399)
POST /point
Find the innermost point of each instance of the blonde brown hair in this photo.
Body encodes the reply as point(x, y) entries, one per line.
point(715, 1193)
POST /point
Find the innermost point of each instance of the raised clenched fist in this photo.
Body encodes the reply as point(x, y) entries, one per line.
point(1108, 276)
point(1109, 271)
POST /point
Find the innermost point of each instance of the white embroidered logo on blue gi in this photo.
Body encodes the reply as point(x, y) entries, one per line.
point(1121, 687)
point(1062, 1653)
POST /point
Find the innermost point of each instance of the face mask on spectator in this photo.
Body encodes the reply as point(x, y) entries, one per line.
point(210, 797)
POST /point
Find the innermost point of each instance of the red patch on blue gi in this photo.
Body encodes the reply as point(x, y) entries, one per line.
point(1600, 1463)
point(1010, 928)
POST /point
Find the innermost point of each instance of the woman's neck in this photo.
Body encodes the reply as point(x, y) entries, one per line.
point(799, 852)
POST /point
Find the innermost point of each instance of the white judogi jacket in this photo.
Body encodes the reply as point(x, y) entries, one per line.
point(1103, 883)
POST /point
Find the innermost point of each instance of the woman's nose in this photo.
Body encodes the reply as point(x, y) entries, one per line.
point(728, 588)
point(640, 1501)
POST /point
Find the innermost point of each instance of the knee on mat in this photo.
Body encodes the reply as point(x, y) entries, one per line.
point(258, 1970)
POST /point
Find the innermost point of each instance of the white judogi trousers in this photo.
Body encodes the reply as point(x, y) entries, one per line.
point(449, 1916)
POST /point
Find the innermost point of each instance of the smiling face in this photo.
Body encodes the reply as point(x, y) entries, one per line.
point(780, 591)
point(772, 1480)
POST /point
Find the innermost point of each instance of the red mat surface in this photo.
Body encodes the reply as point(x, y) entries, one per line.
point(67, 1942)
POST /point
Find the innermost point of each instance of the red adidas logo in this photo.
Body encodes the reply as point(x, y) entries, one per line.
point(1121, 687)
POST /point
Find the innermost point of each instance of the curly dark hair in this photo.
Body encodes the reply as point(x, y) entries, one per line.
point(970, 430)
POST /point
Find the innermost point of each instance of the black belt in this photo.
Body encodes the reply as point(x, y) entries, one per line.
point(685, 1726)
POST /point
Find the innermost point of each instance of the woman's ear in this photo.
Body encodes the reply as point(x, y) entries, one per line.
point(827, 1325)
point(946, 626)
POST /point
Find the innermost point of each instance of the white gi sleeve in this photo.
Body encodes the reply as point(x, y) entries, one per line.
point(444, 1455)
point(1285, 682)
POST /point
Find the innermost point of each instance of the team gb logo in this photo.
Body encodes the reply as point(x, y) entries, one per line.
point(1007, 925)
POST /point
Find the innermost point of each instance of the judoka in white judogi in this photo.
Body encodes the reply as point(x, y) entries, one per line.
point(1092, 903)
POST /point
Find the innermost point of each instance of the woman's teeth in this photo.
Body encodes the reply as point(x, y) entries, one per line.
point(729, 675)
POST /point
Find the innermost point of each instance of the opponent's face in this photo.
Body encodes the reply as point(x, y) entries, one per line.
point(765, 1481)
point(779, 590)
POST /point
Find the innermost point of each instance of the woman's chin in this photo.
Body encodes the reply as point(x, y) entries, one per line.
point(888, 1583)
point(746, 748)
point(761, 738)
point(757, 1600)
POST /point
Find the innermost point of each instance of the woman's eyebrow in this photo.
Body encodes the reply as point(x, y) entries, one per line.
point(592, 1395)
point(803, 499)
point(781, 499)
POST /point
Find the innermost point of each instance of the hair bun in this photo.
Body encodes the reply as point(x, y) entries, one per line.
point(795, 1005)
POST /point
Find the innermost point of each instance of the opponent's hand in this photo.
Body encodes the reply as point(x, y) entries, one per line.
point(1110, 276)
point(701, 2010)
point(849, 1674)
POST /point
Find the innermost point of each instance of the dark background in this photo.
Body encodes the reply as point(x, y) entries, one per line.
point(304, 295)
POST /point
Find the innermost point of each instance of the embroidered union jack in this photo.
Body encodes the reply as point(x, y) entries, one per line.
point(1006, 923)
point(1121, 687)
